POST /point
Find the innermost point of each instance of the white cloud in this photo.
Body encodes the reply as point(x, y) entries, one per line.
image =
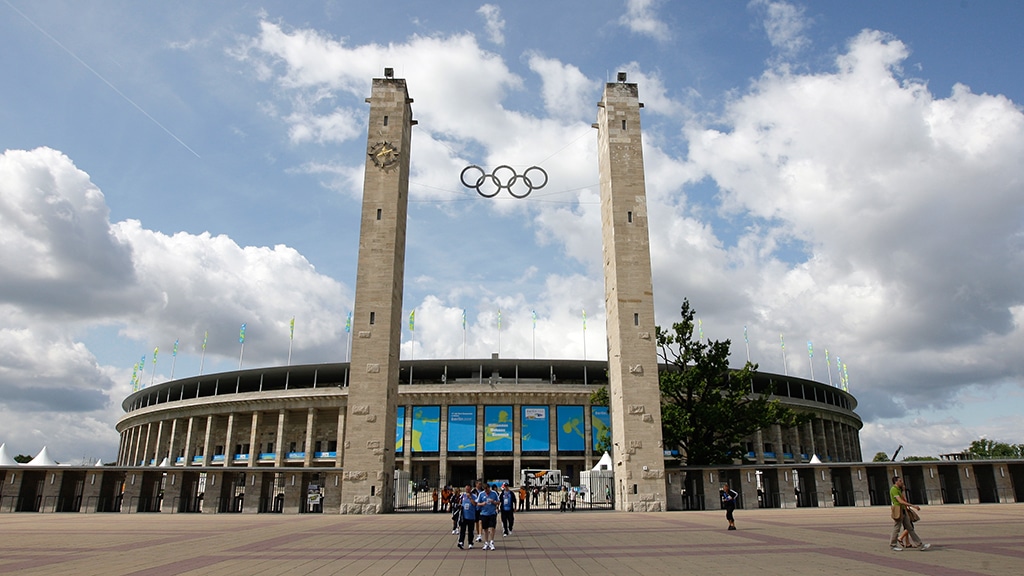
point(67, 272)
point(784, 24)
point(493, 22)
point(641, 18)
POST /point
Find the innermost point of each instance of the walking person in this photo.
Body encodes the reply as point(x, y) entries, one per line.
point(522, 497)
point(454, 505)
point(468, 506)
point(487, 504)
point(729, 497)
point(508, 509)
point(901, 517)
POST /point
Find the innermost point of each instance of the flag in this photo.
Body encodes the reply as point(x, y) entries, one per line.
point(175, 351)
point(584, 319)
point(412, 321)
point(846, 379)
point(155, 351)
point(463, 319)
point(826, 357)
point(291, 335)
point(348, 323)
point(810, 349)
point(700, 328)
point(205, 336)
point(745, 338)
point(499, 318)
point(783, 340)
point(241, 334)
point(534, 313)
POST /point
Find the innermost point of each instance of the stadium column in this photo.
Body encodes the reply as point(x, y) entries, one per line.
point(369, 461)
point(635, 400)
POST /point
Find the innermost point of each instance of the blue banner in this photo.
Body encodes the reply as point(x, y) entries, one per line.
point(400, 431)
point(570, 429)
point(497, 428)
point(426, 428)
point(462, 429)
point(600, 424)
point(536, 435)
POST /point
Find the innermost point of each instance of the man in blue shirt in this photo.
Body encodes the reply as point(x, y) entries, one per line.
point(468, 505)
point(487, 507)
point(508, 509)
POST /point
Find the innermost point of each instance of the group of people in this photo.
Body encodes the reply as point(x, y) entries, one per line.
point(476, 510)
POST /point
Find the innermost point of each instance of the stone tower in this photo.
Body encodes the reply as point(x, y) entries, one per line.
point(629, 303)
point(369, 450)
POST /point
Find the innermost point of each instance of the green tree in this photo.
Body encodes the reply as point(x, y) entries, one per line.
point(23, 458)
point(880, 457)
point(985, 449)
point(920, 459)
point(708, 408)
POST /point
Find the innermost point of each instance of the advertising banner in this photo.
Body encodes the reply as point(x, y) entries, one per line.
point(600, 424)
point(536, 432)
point(497, 428)
point(570, 429)
point(426, 428)
point(462, 429)
point(400, 431)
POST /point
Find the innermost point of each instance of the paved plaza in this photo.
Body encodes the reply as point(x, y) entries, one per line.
point(966, 540)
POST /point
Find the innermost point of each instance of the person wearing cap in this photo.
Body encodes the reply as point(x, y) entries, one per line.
point(507, 501)
point(487, 511)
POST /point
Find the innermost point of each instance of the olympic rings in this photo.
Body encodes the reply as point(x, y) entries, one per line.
point(503, 177)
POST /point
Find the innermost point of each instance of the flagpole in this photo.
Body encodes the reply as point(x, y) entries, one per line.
point(499, 332)
point(291, 338)
point(534, 334)
point(202, 359)
point(241, 341)
point(784, 366)
point(348, 337)
point(174, 357)
point(412, 335)
point(584, 346)
point(463, 333)
point(810, 357)
point(152, 378)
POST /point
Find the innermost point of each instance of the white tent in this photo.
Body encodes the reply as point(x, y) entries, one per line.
point(5, 458)
point(42, 459)
point(165, 462)
point(815, 459)
point(605, 463)
point(99, 463)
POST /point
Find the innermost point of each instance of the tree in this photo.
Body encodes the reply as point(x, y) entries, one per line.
point(23, 458)
point(985, 449)
point(708, 408)
point(880, 457)
point(920, 459)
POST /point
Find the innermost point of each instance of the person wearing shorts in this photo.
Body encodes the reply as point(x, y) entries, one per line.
point(487, 508)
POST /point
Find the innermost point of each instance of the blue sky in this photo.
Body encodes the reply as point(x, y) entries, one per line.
point(842, 173)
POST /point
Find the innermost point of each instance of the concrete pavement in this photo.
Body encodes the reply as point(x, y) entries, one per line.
point(966, 540)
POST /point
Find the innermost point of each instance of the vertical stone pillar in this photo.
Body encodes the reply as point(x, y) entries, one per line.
point(229, 441)
point(173, 443)
point(442, 459)
point(207, 458)
point(777, 441)
point(759, 447)
point(517, 444)
point(188, 440)
point(553, 436)
point(635, 399)
point(279, 438)
point(307, 460)
point(368, 485)
point(340, 443)
point(158, 445)
point(254, 437)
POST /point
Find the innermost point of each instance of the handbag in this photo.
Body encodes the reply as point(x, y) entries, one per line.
point(914, 516)
point(896, 512)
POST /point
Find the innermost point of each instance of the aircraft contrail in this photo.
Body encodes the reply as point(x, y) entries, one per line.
point(100, 76)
